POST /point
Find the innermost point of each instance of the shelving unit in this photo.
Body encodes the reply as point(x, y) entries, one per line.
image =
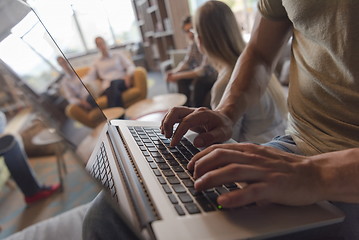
point(160, 24)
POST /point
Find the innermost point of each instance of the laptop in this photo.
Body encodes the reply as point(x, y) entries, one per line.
point(153, 188)
point(153, 191)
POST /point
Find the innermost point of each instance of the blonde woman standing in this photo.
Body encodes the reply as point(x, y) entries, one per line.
point(218, 36)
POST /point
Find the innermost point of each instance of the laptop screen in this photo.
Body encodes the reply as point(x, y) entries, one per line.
point(29, 63)
point(34, 100)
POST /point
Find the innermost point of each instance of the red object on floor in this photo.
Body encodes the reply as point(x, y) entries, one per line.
point(42, 194)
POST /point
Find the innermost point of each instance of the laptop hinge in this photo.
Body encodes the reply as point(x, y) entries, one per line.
point(140, 199)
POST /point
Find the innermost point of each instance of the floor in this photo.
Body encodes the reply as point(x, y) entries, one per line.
point(78, 186)
point(156, 84)
point(78, 189)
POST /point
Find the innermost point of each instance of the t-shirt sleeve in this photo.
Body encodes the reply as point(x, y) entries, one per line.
point(272, 9)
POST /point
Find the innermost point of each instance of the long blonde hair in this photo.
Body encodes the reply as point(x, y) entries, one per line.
point(223, 43)
point(220, 36)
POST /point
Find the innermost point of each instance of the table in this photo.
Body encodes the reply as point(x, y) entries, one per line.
point(153, 117)
point(113, 113)
point(49, 136)
point(158, 103)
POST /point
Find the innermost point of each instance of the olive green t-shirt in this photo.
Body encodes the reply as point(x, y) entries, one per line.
point(323, 98)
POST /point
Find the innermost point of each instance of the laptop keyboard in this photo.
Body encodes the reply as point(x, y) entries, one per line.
point(169, 164)
point(101, 171)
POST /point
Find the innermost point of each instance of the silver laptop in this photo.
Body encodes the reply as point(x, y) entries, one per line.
point(153, 188)
point(154, 193)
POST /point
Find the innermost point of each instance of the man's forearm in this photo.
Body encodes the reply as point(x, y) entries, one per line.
point(186, 74)
point(248, 82)
point(339, 174)
point(180, 67)
point(254, 67)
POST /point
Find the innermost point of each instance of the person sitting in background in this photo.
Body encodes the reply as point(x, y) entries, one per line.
point(11, 149)
point(114, 70)
point(218, 36)
point(194, 70)
point(73, 89)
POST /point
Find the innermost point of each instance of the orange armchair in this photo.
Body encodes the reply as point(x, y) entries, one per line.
point(93, 117)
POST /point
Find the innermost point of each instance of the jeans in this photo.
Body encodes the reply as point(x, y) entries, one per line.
point(102, 222)
point(198, 95)
point(113, 94)
point(16, 161)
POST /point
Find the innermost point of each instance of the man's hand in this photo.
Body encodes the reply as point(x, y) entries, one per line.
point(85, 104)
point(128, 81)
point(212, 126)
point(272, 176)
point(171, 77)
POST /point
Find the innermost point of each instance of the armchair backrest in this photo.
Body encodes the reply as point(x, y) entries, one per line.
point(82, 71)
point(140, 81)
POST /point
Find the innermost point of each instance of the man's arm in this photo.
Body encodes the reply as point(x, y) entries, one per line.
point(184, 64)
point(92, 75)
point(271, 173)
point(255, 66)
point(248, 82)
point(130, 69)
point(180, 67)
point(197, 72)
point(171, 75)
point(69, 93)
point(174, 77)
point(128, 65)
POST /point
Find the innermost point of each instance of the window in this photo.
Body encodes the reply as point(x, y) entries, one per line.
point(29, 52)
point(74, 24)
point(59, 21)
point(30, 67)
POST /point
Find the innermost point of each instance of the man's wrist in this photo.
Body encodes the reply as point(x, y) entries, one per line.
point(338, 173)
point(231, 109)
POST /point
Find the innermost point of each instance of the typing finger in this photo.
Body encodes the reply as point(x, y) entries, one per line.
point(220, 153)
point(200, 120)
point(175, 115)
point(192, 120)
point(216, 158)
point(190, 165)
point(230, 173)
point(252, 193)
